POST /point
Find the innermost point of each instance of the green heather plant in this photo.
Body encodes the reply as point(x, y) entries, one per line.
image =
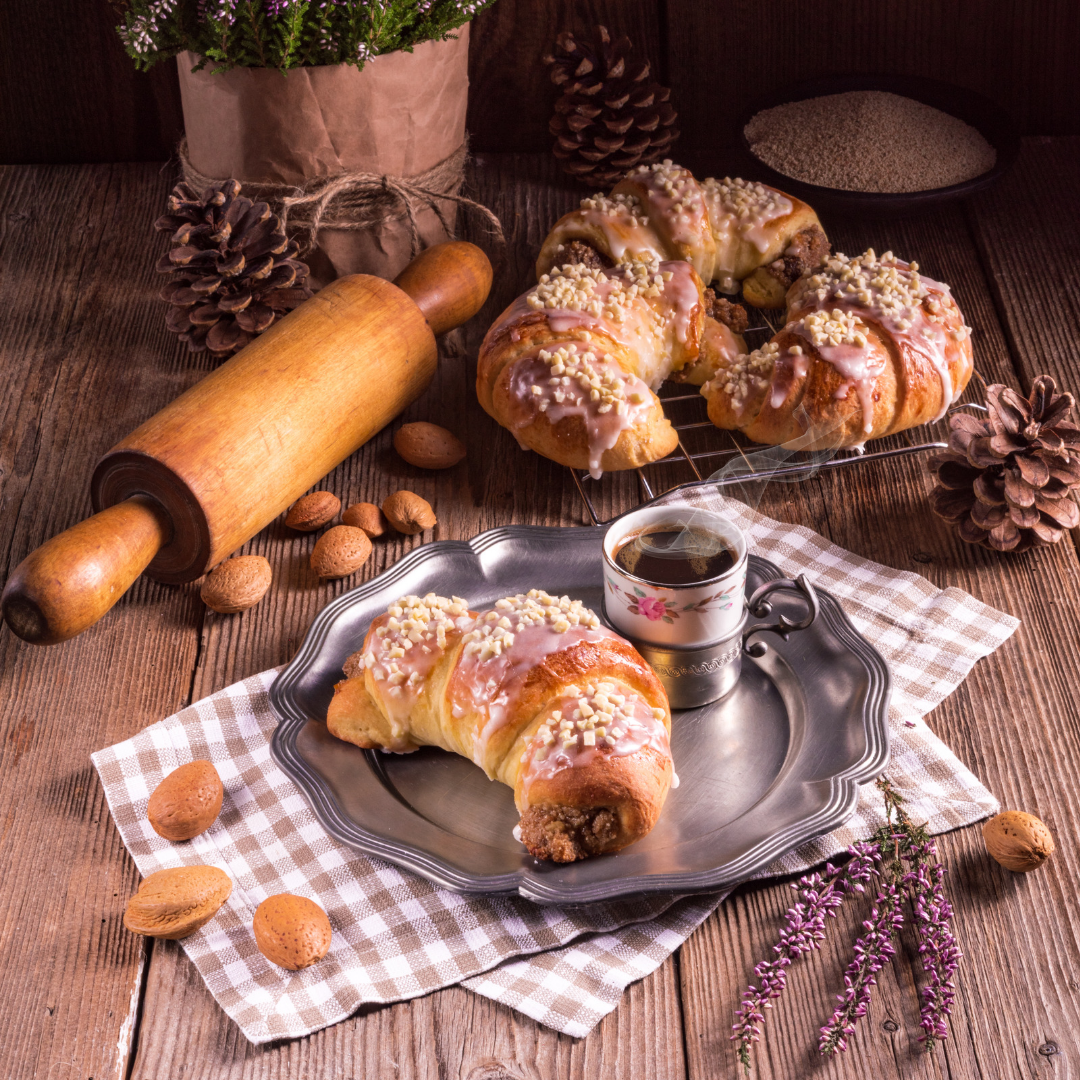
point(285, 34)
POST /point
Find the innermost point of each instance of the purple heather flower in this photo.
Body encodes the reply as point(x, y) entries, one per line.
point(872, 952)
point(937, 946)
point(819, 896)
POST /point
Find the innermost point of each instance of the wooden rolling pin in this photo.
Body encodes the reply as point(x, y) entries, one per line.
point(195, 482)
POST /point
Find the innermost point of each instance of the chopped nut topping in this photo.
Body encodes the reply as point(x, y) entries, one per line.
point(489, 637)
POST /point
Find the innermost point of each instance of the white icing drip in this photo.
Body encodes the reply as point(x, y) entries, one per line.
point(623, 222)
point(675, 197)
point(644, 306)
point(675, 781)
point(912, 308)
point(741, 211)
point(505, 645)
point(572, 380)
point(405, 644)
point(602, 718)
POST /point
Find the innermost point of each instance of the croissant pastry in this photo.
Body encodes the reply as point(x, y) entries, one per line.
point(729, 230)
point(871, 347)
point(537, 693)
point(571, 367)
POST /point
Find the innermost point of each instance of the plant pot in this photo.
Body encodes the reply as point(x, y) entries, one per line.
point(400, 117)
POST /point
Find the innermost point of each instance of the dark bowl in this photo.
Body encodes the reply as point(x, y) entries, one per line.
point(982, 114)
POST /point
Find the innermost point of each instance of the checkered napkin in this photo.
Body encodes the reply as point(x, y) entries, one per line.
point(396, 936)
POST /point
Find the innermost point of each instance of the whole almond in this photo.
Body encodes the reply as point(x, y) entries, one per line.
point(236, 584)
point(187, 802)
point(175, 903)
point(366, 516)
point(408, 513)
point(340, 551)
point(313, 511)
point(428, 446)
point(1019, 841)
point(291, 931)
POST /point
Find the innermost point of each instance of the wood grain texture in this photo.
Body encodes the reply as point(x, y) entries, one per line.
point(95, 335)
point(723, 57)
point(69, 92)
point(77, 279)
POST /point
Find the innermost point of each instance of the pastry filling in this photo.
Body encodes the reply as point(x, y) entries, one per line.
point(566, 833)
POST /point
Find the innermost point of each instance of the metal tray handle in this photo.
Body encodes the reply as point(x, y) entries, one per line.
point(759, 607)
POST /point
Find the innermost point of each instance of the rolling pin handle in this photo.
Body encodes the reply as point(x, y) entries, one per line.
point(69, 582)
point(448, 283)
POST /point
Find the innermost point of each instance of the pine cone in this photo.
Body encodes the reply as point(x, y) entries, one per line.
point(612, 115)
point(1005, 481)
point(236, 271)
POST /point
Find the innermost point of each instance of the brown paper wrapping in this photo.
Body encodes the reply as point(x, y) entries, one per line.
point(401, 115)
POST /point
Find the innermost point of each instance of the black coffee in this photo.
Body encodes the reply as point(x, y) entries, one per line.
point(675, 555)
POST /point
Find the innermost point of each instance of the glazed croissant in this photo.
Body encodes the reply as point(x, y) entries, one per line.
point(730, 231)
point(871, 347)
point(538, 694)
point(571, 367)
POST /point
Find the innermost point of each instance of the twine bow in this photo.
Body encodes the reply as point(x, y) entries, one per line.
point(362, 200)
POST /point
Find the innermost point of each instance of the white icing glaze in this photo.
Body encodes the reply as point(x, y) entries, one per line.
point(741, 211)
point(575, 380)
point(405, 645)
point(623, 222)
point(850, 292)
point(647, 307)
point(600, 718)
point(502, 648)
point(674, 197)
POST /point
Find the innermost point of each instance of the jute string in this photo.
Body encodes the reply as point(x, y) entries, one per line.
point(361, 200)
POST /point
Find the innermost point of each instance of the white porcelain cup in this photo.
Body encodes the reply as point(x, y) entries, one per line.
point(695, 614)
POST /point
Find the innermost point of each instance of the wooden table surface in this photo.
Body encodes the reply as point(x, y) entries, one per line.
point(85, 357)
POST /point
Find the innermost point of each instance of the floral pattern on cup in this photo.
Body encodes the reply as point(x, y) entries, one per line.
point(659, 608)
point(681, 615)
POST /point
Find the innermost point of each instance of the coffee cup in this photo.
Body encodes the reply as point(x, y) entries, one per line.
point(692, 632)
point(674, 543)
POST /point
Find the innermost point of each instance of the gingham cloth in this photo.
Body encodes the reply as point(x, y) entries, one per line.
point(396, 936)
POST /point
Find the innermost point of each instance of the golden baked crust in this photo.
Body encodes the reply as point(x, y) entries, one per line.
point(605, 794)
point(791, 390)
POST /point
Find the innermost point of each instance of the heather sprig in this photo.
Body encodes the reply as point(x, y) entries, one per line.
point(902, 857)
point(872, 952)
point(937, 947)
point(819, 896)
point(285, 34)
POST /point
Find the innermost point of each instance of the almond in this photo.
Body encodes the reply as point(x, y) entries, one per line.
point(174, 903)
point(313, 511)
point(187, 802)
point(408, 513)
point(428, 446)
point(366, 516)
point(236, 584)
point(340, 551)
point(291, 931)
point(1019, 841)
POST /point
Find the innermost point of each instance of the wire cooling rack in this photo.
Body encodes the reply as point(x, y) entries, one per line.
point(705, 450)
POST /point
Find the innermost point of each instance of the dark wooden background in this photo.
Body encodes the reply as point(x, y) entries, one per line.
point(68, 93)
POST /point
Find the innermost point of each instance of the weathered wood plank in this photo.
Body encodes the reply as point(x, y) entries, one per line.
point(496, 485)
point(1014, 722)
point(85, 358)
point(1029, 238)
point(724, 57)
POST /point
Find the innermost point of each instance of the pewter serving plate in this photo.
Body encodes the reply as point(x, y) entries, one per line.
point(775, 763)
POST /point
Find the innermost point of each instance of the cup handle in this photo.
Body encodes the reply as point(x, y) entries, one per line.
point(759, 607)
